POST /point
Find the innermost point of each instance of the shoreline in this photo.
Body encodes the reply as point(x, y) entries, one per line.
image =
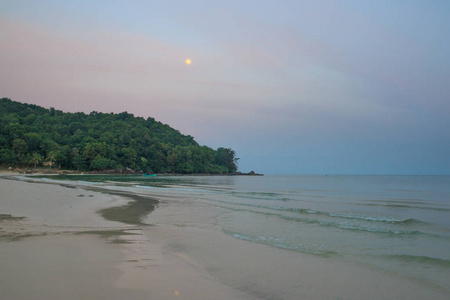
point(178, 252)
point(55, 247)
point(41, 171)
point(135, 208)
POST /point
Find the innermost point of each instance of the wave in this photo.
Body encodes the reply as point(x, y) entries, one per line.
point(146, 187)
point(279, 243)
point(87, 182)
point(376, 219)
point(175, 189)
point(420, 259)
point(352, 216)
point(354, 227)
point(407, 201)
point(268, 196)
point(391, 203)
point(442, 209)
point(343, 226)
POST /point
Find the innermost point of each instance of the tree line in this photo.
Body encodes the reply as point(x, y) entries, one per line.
point(32, 136)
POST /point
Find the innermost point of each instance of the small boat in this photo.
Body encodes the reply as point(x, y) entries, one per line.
point(149, 175)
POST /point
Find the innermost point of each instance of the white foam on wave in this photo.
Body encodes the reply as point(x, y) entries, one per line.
point(87, 182)
point(145, 187)
point(175, 189)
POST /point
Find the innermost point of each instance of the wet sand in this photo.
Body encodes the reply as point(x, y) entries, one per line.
point(54, 245)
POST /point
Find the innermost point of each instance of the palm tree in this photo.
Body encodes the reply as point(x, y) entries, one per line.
point(51, 158)
point(36, 159)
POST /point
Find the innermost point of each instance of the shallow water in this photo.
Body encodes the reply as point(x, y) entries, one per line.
point(244, 229)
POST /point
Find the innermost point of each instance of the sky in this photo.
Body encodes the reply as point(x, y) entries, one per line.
point(294, 87)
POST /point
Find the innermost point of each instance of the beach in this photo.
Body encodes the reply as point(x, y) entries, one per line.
point(56, 243)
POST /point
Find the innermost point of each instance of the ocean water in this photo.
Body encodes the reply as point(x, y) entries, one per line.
point(250, 231)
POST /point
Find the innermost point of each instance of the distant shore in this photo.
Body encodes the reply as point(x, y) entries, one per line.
point(47, 171)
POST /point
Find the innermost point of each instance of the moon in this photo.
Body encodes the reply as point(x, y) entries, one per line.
point(188, 61)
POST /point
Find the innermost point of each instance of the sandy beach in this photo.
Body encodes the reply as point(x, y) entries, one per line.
point(79, 240)
point(54, 245)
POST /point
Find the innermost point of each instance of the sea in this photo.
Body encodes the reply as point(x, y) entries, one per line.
point(305, 236)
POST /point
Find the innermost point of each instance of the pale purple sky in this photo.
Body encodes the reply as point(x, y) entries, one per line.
point(294, 87)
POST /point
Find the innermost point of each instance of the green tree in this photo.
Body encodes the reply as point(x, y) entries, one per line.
point(145, 165)
point(48, 145)
point(94, 149)
point(19, 146)
point(128, 157)
point(102, 163)
point(33, 140)
point(102, 141)
point(51, 157)
point(226, 157)
point(79, 161)
point(8, 156)
point(36, 159)
point(63, 157)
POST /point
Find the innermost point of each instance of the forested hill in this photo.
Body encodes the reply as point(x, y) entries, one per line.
point(31, 136)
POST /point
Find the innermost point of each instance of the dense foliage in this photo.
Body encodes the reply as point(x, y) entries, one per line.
point(31, 135)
